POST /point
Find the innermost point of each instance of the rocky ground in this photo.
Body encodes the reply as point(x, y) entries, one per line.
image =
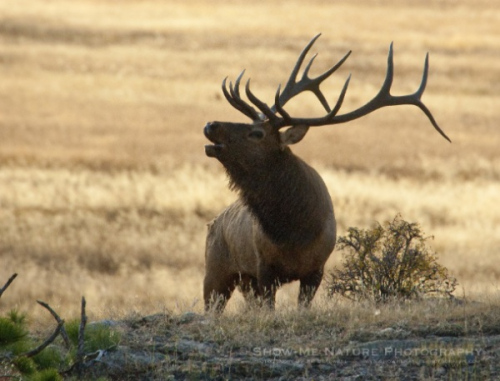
point(189, 346)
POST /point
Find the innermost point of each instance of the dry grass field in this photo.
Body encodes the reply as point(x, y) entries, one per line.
point(105, 189)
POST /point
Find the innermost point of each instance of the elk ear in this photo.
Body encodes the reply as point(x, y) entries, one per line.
point(293, 135)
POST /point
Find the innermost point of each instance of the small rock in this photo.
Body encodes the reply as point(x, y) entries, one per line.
point(104, 323)
point(188, 317)
point(441, 371)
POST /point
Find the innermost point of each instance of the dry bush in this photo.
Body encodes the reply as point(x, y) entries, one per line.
point(392, 263)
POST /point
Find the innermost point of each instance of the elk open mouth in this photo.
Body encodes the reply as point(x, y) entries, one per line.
point(212, 150)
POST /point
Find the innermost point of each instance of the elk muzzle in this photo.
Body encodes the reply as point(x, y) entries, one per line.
point(210, 131)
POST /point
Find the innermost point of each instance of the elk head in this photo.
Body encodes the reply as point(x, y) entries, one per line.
point(248, 144)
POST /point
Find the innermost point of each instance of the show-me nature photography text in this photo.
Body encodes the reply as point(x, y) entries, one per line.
point(367, 352)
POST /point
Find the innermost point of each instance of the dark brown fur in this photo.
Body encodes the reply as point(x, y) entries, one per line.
point(281, 229)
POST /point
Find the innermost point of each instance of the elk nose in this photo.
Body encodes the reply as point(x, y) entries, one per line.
point(211, 128)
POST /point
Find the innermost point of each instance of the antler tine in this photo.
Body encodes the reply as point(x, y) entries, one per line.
point(340, 100)
point(236, 89)
point(423, 83)
point(229, 98)
point(389, 76)
point(384, 97)
point(418, 94)
point(319, 79)
point(235, 100)
point(261, 105)
point(312, 122)
point(293, 87)
point(293, 75)
point(308, 66)
point(287, 119)
point(290, 88)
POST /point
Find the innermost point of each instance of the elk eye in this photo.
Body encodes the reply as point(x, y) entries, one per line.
point(256, 134)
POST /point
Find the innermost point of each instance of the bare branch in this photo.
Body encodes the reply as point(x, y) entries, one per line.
point(44, 345)
point(64, 334)
point(80, 354)
point(51, 338)
point(11, 279)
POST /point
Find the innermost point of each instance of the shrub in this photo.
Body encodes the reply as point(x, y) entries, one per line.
point(21, 356)
point(389, 263)
point(15, 343)
point(25, 365)
point(97, 336)
point(11, 330)
point(47, 375)
point(50, 357)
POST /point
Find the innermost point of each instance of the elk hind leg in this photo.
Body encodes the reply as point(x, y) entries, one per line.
point(216, 292)
point(219, 280)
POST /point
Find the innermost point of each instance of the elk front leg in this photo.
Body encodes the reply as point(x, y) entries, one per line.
point(249, 287)
point(308, 287)
point(268, 284)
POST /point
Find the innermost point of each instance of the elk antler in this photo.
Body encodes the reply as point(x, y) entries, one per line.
point(294, 87)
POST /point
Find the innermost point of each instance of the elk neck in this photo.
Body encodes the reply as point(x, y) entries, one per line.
point(287, 197)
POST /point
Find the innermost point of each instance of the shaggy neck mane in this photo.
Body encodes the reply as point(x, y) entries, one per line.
point(286, 196)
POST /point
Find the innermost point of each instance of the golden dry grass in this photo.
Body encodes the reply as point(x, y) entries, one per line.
point(104, 186)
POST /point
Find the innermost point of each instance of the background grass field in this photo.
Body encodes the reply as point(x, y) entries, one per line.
point(105, 189)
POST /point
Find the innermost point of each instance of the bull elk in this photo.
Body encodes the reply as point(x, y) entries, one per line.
point(282, 228)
